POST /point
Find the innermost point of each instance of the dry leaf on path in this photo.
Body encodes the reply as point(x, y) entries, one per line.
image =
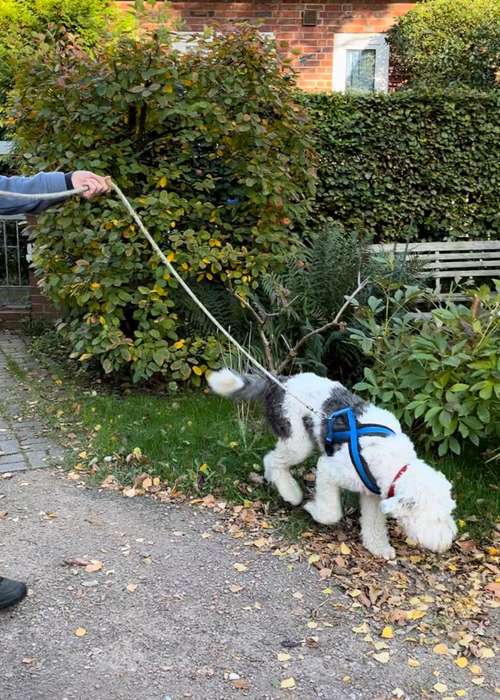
point(80, 632)
point(95, 565)
point(288, 683)
point(240, 567)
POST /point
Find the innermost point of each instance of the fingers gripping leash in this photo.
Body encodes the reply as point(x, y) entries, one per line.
point(174, 273)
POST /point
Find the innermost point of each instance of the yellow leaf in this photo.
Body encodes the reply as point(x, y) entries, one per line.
point(380, 645)
point(415, 614)
point(327, 591)
point(132, 587)
point(461, 693)
point(95, 285)
point(461, 662)
point(387, 632)
point(162, 182)
point(288, 683)
point(441, 649)
point(476, 670)
point(486, 653)
point(147, 483)
point(179, 344)
point(204, 468)
point(344, 549)
point(240, 567)
point(80, 631)
point(313, 558)
point(413, 663)
point(283, 657)
point(197, 370)
point(440, 688)
point(382, 658)
point(312, 625)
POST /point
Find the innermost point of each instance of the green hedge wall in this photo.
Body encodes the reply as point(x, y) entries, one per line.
point(410, 162)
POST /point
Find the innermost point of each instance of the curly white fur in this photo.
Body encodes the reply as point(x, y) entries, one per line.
point(422, 502)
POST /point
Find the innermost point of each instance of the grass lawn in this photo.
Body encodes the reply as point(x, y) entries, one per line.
point(205, 444)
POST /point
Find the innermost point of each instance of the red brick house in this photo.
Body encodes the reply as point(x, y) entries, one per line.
point(342, 44)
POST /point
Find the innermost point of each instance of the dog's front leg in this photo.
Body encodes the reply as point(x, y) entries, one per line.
point(373, 528)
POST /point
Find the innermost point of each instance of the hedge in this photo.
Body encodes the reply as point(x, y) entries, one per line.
point(409, 163)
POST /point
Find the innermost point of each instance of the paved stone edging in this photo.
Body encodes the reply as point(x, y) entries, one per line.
point(23, 442)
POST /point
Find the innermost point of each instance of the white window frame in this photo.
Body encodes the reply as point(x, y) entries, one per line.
point(343, 42)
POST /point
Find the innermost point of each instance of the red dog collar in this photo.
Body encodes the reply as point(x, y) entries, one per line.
point(390, 493)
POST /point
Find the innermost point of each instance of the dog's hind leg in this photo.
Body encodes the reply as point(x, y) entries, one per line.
point(277, 463)
point(326, 507)
point(373, 528)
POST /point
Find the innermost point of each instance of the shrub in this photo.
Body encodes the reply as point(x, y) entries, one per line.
point(444, 43)
point(441, 376)
point(425, 160)
point(214, 153)
point(23, 21)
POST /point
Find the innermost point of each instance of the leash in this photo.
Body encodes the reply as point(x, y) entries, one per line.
point(175, 274)
point(351, 436)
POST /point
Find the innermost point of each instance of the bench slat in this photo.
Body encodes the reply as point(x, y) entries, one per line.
point(477, 264)
point(466, 273)
point(460, 255)
point(446, 246)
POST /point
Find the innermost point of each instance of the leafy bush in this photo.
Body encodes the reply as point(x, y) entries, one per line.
point(214, 153)
point(444, 43)
point(23, 21)
point(420, 159)
point(440, 375)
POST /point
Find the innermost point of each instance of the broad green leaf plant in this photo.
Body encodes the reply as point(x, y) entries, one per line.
point(439, 373)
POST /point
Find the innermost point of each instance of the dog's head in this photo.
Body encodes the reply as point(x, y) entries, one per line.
point(424, 510)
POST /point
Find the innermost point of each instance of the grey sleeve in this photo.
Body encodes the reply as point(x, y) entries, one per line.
point(43, 183)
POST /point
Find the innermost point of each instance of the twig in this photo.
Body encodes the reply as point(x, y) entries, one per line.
point(261, 323)
point(335, 323)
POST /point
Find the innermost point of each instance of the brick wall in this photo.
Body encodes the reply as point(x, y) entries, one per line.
point(284, 19)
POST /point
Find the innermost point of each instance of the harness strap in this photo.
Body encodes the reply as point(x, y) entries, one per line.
point(351, 436)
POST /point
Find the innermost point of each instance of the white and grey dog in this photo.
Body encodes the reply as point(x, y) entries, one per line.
point(418, 497)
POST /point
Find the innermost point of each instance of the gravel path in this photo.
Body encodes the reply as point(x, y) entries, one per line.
point(163, 612)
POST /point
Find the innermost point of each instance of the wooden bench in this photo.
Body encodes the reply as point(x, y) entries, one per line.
point(450, 262)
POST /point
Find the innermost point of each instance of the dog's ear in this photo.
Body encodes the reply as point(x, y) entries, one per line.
point(397, 505)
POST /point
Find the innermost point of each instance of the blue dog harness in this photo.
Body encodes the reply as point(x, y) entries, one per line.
point(350, 433)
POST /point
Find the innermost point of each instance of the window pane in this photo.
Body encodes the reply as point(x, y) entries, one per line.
point(360, 70)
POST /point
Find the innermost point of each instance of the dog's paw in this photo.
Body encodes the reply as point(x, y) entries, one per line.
point(383, 551)
point(321, 515)
point(290, 491)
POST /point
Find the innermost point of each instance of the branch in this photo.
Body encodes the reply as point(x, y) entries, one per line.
point(261, 323)
point(335, 323)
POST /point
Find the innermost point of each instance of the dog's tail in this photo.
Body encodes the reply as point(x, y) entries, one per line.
point(247, 387)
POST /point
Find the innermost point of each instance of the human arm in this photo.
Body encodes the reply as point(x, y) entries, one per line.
point(47, 183)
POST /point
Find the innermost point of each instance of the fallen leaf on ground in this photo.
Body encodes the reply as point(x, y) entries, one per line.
point(440, 688)
point(344, 549)
point(288, 683)
point(80, 632)
point(461, 662)
point(241, 684)
point(283, 656)
point(441, 649)
point(486, 653)
point(240, 567)
point(234, 588)
point(387, 632)
point(132, 587)
point(95, 565)
point(383, 657)
point(413, 663)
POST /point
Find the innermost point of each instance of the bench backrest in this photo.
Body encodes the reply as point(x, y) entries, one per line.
point(460, 259)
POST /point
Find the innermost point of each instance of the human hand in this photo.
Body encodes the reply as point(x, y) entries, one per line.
point(95, 184)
